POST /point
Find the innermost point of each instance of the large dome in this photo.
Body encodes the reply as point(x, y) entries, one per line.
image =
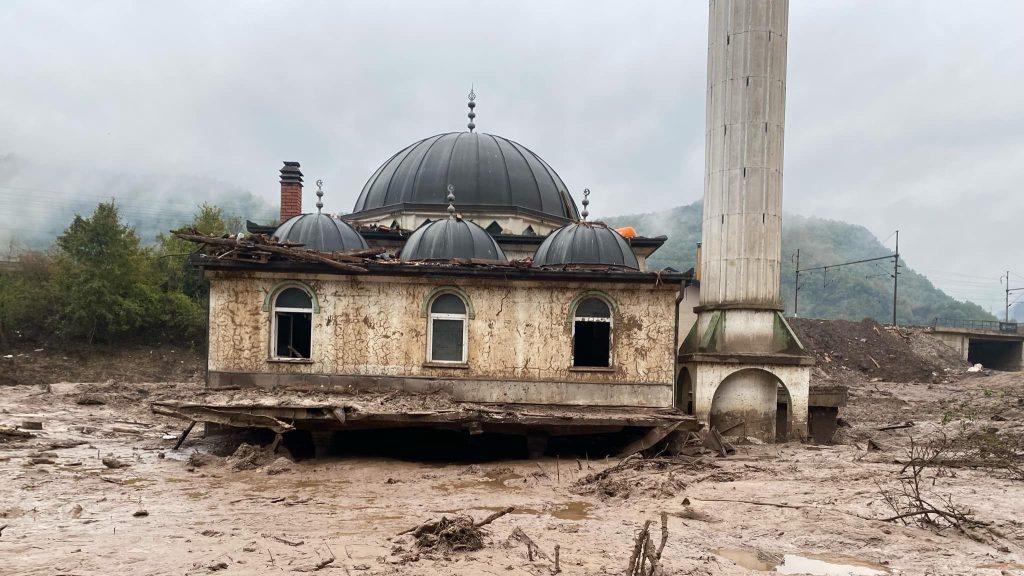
point(320, 232)
point(451, 238)
point(488, 172)
point(585, 243)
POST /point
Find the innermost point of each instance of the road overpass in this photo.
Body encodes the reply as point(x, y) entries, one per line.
point(996, 345)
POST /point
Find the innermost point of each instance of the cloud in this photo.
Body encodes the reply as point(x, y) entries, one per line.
point(899, 114)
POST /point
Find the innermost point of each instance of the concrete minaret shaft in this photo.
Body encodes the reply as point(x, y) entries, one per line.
point(744, 367)
point(746, 109)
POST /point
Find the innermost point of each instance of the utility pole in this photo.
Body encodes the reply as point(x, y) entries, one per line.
point(796, 286)
point(1006, 317)
point(896, 277)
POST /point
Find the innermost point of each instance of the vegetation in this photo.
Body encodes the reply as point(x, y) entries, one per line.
point(100, 284)
point(851, 293)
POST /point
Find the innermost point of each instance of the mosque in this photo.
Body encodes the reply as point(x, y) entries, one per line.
point(479, 282)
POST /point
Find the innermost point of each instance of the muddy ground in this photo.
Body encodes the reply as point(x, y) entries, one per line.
point(792, 508)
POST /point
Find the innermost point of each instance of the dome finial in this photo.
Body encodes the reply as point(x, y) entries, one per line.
point(319, 196)
point(451, 201)
point(586, 202)
point(472, 105)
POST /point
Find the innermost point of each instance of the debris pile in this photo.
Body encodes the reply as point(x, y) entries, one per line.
point(260, 248)
point(657, 477)
point(457, 534)
point(848, 351)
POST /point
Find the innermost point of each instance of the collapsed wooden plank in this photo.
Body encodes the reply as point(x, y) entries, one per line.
point(350, 413)
point(345, 261)
point(236, 419)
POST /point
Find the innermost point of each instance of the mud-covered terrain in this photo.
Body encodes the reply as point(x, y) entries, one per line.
point(99, 490)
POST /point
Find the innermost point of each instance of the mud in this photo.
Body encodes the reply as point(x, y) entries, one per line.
point(77, 516)
point(848, 352)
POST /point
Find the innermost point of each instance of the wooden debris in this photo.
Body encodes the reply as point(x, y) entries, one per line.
point(31, 425)
point(141, 513)
point(459, 533)
point(714, 441)
point(646, 559)
point(184, 434)
point(254, 245)
point(896, 426)
point(292, 543)
point(532, 550)
point(653, 436)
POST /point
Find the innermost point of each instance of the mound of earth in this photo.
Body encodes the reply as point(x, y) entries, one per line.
point(24, 365)
point(848, 351)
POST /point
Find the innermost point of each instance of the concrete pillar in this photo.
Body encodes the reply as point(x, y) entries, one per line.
point(742, 228)
point(746, 106)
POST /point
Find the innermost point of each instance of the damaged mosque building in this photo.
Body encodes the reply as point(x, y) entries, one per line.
point(466, 271)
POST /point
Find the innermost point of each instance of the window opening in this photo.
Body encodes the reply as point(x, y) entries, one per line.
point(446, 333)
point(493, 228)
point(293, 324)
point(592, 334)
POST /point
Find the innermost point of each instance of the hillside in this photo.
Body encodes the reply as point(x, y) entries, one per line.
point(851, 293)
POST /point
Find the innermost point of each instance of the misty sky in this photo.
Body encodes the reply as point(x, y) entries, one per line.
point(900, 114)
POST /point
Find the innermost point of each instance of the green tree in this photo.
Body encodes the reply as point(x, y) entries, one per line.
point(172, 253)
point(27, 302)
point(103, 279)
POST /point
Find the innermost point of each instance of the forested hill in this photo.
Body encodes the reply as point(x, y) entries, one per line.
point(850, 293)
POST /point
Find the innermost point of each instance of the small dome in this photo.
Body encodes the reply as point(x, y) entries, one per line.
point(320, 232)
point(451, 238)
point(585, 243)
point(490, 173)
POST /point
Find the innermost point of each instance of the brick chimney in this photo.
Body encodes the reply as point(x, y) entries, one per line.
point(291, 191)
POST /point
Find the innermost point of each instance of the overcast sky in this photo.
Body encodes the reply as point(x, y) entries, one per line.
point(900, 114)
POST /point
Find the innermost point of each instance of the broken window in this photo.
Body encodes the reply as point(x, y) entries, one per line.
point(293, 324)
point(446, 333)
point(592, 334)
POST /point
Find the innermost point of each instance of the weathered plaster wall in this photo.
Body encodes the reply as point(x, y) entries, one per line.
point(750, 396)
point(521, 331)
point(687, 317)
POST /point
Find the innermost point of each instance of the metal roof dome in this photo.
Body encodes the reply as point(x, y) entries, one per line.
point(585, 243)
point(450, 238)
point(489, 172)
point(320, 232)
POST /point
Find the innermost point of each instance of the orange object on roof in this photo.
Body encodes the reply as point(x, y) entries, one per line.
point(627, 231)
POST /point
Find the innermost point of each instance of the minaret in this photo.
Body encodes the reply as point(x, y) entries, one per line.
point(740, 323)
point(746, 113)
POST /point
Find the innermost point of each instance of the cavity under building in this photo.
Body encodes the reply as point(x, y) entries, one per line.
point(743, 368)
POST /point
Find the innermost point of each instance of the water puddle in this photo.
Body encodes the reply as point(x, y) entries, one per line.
point(493, 480)
point(572, 511)
point(813, 564)
point(749, 559)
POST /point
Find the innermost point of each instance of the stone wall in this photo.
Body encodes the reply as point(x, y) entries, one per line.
point(519, 336)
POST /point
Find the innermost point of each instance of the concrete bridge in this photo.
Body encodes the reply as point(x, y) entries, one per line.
point(996, 345)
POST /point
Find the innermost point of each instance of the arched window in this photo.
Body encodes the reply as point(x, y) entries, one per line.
point(592, 334)
point(292, 329)
point(446, 330)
